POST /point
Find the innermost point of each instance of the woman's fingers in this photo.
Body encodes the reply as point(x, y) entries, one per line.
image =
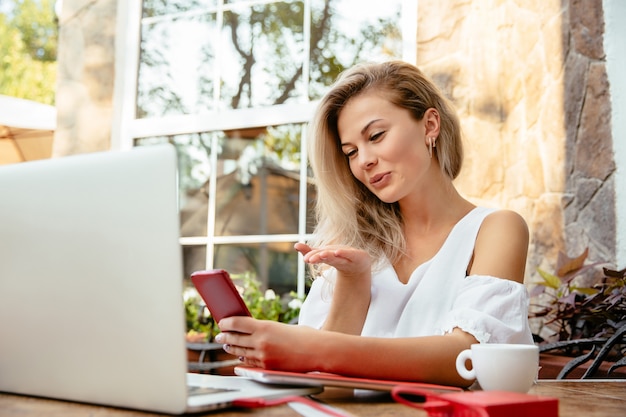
point(236, 350)
point(347, 260)
point(240, 336)
point(236, 337)
point(303, 248)
point(326, 255)
point(238, 324)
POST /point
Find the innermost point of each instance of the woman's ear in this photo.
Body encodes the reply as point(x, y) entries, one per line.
point(431, 123)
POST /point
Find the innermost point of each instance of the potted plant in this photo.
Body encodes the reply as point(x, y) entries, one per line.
point(580, 310)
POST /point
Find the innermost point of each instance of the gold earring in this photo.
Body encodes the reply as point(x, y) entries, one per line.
point(430, 147)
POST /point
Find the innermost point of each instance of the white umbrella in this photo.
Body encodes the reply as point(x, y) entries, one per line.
point(26, 130)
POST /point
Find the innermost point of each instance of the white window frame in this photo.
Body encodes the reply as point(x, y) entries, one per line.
point(615, 33)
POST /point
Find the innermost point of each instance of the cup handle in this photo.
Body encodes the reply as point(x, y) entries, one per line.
point(465, 373)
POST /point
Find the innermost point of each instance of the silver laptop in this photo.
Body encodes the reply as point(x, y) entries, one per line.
point(91, 281)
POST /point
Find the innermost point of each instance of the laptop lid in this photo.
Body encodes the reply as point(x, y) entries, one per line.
point(91, 278)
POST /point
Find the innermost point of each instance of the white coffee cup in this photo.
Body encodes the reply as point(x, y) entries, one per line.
point(502, 367)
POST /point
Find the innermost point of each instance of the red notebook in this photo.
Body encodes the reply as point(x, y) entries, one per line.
point(333, 380)
point(478, 403)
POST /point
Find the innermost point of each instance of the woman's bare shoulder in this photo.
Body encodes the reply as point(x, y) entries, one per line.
point(501, 246)
point(507, 220)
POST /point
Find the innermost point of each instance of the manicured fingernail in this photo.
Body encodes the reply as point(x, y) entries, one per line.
point(219, 338)
point(226, 347)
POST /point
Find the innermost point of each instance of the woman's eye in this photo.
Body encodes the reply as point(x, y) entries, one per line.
point(376, 136)
point(351, 153)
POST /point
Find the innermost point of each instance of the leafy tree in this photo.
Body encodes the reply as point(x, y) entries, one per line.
point(28, 48)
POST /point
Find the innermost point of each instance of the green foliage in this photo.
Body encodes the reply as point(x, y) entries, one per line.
point(575, 311)
point(267, 305)
point(36, 22)
point(284, 142)
point(197, 318)
point(263, 305)
point(28, 41)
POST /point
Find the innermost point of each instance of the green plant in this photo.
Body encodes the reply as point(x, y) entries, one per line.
point(263, 305)
point(574, 309)
point(200, 324)
point(267, 305)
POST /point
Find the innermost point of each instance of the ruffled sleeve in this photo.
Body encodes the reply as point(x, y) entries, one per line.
point(493, 310)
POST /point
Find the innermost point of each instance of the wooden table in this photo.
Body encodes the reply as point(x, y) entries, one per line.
point(590, 398)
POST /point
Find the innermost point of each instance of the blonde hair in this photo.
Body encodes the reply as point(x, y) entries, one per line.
point(347, 213)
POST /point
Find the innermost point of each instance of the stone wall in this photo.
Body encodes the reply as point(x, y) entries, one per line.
point(529, 81)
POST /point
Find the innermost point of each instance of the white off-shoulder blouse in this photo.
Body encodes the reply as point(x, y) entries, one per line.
point(438, 296)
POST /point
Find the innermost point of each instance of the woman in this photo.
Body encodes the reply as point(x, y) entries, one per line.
point(411, 272)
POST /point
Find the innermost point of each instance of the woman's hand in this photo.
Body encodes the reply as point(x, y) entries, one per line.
point(349, 262)
point(352, 289)
point(269, 344)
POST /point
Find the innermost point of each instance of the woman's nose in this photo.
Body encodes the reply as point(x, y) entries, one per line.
point(366, 159)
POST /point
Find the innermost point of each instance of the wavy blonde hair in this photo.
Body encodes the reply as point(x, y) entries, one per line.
point(347, 213)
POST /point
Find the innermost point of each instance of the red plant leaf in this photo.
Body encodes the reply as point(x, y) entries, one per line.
point(565, 264)
point(569, 299)
point(615, 274)
point(537, 290)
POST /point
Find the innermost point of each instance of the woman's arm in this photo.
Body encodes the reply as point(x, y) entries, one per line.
point(351, 288)
point(429, 359)
point(273, 345)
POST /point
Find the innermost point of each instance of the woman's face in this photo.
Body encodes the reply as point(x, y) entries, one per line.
point(386, 147)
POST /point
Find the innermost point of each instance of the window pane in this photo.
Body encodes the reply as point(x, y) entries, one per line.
point(263, 55)
point(258, 190)
point(194, 167)
point(175, 69)
point(153, 8)
point(345, 32)
point(273, 264)
point(194, 259)
point(267, 204)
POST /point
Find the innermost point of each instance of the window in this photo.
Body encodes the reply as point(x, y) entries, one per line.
point(231, 84)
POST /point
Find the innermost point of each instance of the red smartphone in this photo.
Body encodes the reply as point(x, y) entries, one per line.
point(219, 293)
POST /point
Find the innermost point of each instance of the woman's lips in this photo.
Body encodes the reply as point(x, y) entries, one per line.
point(380, 180)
